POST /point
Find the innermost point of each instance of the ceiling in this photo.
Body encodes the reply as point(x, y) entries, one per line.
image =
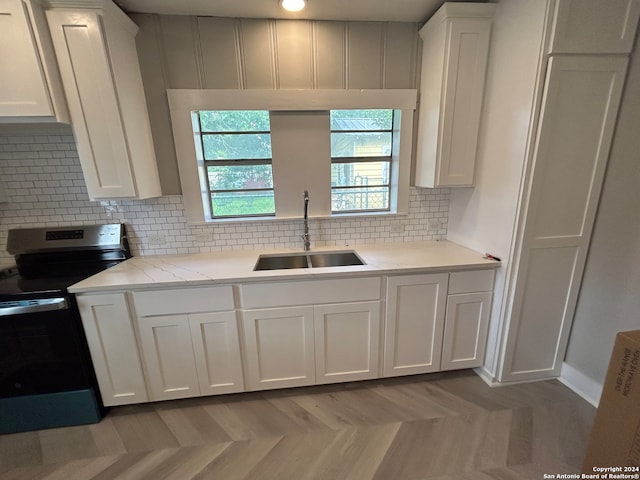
point(365, 10)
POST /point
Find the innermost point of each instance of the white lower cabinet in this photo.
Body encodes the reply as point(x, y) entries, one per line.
point(414, 323)
point(112, 344)
point(216, 347)
point(168, 356)
point(311, 332)
point(347, 341)
point(297, 346)
point(465, 332)
point(436, 322)
point(187, 352)
point(279, 348)
point(467, 319)
point(190, 342)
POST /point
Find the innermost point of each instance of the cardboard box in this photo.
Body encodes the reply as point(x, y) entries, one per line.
point(615, 438)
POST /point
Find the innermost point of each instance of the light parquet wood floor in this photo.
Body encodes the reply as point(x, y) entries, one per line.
point(437, 427)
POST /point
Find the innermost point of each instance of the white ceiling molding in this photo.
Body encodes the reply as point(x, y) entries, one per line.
point(351, 10)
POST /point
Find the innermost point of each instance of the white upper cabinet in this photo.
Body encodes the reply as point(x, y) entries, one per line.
point(30, 87)
point(454, 61)
point(594, 26)
point(95, 46)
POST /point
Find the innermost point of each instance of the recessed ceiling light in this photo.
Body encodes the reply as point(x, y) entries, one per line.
point(293, 5)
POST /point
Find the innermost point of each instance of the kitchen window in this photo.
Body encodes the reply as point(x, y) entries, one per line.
point(236, 153)
point(351, 149)
point(361, 146)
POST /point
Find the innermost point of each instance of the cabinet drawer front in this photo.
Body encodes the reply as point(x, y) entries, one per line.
point(474, 281)
point(183, 300)
point(337, 290)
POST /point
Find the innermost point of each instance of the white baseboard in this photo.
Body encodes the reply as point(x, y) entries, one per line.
point(486, 376)
point(493, 382)
point(584, 386)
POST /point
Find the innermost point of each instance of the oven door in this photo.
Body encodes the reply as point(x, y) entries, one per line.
point(40, 348)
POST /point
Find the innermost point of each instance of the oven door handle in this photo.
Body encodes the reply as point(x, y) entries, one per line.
point(44, 305)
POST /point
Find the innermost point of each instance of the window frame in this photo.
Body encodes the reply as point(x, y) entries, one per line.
point(388, 159)
point(193, 174)
point(230, 163)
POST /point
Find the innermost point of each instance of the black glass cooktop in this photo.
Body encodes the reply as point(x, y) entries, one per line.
point(15, 287)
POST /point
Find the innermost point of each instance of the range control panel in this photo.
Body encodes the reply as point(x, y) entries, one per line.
point(39, 240)
point(64, 235)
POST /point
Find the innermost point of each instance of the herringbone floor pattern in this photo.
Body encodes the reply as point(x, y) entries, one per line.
point(443, 426)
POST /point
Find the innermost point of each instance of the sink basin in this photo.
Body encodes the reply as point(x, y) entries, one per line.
point(335, 259)
point(278, 262)
point(307, 260)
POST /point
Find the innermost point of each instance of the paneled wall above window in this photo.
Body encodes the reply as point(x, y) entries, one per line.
point(184, 52)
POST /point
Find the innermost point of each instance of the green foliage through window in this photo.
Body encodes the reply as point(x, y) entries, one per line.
point(236, 145)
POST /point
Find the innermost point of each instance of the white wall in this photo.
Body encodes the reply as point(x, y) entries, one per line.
point(609, 299)
point(483, 218)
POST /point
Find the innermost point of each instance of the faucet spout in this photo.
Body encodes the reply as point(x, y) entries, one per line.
point(305, 235)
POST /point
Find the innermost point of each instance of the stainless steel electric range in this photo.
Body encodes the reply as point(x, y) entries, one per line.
point(46, 376)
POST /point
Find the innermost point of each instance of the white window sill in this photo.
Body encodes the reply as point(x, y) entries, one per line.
point(299, 218)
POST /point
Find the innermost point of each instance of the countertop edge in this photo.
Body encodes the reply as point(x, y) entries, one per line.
point(284, 277)
point(98, 284)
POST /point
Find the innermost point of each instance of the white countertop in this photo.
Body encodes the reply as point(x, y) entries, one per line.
point(237, 266)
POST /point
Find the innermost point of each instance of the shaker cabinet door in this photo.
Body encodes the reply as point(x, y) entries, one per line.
point(168, 356)
point(594, 26)
point(279, 347)
point(23, 85)
point(101, 76)
point(579, 110)
point(109, 330)
point(88, 83)
point(414, 323)
point(216, 348)
point(347, 339)
point(465, 330)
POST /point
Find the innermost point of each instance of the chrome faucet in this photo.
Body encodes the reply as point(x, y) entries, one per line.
point(305, 235)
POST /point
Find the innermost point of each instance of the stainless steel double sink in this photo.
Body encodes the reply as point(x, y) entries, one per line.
point(280, 261)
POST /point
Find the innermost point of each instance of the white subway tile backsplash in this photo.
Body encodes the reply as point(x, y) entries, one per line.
point(43, 180)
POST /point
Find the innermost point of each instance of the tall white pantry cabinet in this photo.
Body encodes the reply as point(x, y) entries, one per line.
point(555, 79)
